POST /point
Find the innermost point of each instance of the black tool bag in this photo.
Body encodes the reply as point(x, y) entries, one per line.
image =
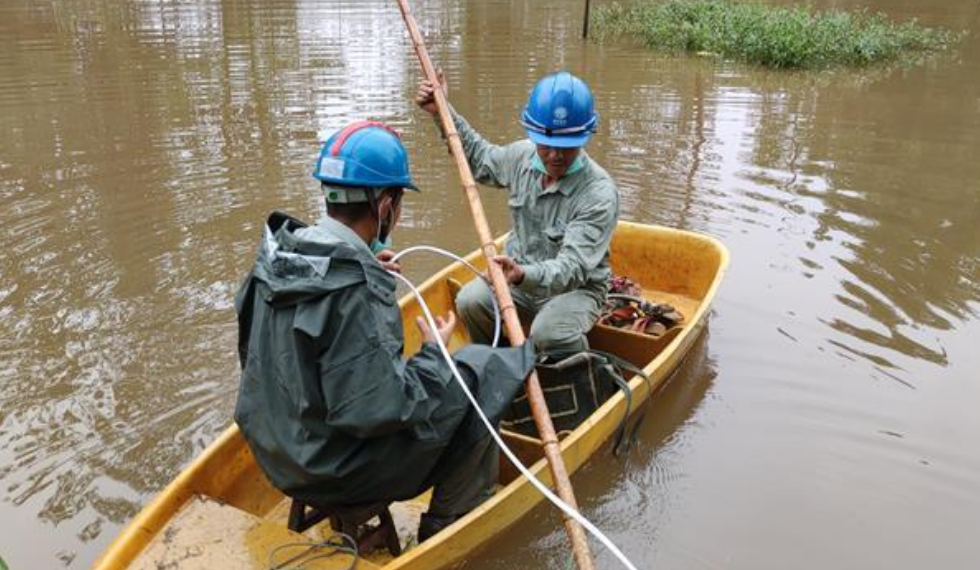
point(574, 384)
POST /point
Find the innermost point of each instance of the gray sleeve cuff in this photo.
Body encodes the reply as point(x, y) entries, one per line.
point(533, 274)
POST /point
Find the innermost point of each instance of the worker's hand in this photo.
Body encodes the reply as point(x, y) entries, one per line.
point(513, 272)
point(426, 98)
point(384, 257)
point(446, 327)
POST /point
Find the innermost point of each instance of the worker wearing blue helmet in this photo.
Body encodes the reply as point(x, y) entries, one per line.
point(331, 410)
point(564, 208)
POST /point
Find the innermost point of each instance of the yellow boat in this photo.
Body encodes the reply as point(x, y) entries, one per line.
point(220, 512)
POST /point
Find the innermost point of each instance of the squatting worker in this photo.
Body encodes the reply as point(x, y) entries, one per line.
point(331, 411)
point(564, 208)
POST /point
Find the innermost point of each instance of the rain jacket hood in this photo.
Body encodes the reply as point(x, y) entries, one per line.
point(294, 261)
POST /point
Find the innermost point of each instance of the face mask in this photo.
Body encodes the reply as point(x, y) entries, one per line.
point(577, 165)
point(377, 246)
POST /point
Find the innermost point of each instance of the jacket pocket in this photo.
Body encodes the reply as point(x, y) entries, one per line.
point(527, 222)
point(554, 239)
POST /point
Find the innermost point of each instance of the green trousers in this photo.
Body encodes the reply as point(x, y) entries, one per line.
point(557, 323)
point(465, 476)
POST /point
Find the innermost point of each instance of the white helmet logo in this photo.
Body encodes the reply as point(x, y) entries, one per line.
point(559, 115)
point(331, 167)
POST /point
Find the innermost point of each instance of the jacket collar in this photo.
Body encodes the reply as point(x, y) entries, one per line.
point(378, 280)
point(341, 231)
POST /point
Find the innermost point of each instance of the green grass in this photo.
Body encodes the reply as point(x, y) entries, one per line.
point(779, 37)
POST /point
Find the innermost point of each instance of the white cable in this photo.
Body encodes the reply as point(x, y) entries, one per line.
point(451, 255)
point(568, 510)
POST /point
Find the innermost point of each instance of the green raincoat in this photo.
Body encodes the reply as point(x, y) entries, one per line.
point(327, 404)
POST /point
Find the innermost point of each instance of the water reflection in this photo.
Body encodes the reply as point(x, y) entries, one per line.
point(906, 237)
point(778, 152)
point(145, 141)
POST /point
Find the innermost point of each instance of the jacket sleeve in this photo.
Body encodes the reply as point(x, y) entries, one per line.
point(368, 391)
point(584, 245)
point(492, 164)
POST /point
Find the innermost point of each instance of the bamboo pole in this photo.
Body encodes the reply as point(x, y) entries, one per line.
point(512, 324)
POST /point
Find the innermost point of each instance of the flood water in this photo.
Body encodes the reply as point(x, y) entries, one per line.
point(830, 418)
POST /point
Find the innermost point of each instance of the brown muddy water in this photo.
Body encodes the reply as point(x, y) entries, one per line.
point(830, 418)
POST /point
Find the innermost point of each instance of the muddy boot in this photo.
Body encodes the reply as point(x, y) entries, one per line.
point(429, 525)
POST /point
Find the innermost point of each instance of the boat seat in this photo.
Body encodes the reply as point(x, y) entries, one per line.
point(351, 520)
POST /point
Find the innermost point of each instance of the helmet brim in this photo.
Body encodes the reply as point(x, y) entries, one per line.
point(555, 141)
point(356, 183)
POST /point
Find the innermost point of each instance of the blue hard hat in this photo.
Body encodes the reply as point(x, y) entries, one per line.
point(559, 112)
point(366, 154)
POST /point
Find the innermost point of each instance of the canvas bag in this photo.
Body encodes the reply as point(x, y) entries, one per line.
point(575, 385)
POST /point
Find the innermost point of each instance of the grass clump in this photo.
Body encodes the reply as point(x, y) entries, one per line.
point(780, 37)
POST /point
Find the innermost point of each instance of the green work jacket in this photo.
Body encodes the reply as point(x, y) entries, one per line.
point(330, 410)
point(561, 233)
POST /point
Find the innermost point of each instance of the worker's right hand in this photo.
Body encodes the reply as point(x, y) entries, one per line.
point(513, 271)
point(385, 257)
point(446, 327)
point(426, 98)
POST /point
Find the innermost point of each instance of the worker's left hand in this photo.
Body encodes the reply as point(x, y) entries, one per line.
point(513, 272)
point(445, 328)
point(384, 257)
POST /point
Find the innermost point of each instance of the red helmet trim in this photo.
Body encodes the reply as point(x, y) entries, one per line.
point(353, 128)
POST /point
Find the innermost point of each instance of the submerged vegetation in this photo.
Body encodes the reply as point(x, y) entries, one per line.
point(780, 37)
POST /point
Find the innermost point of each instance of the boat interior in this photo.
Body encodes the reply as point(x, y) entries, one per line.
point(239, 505)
